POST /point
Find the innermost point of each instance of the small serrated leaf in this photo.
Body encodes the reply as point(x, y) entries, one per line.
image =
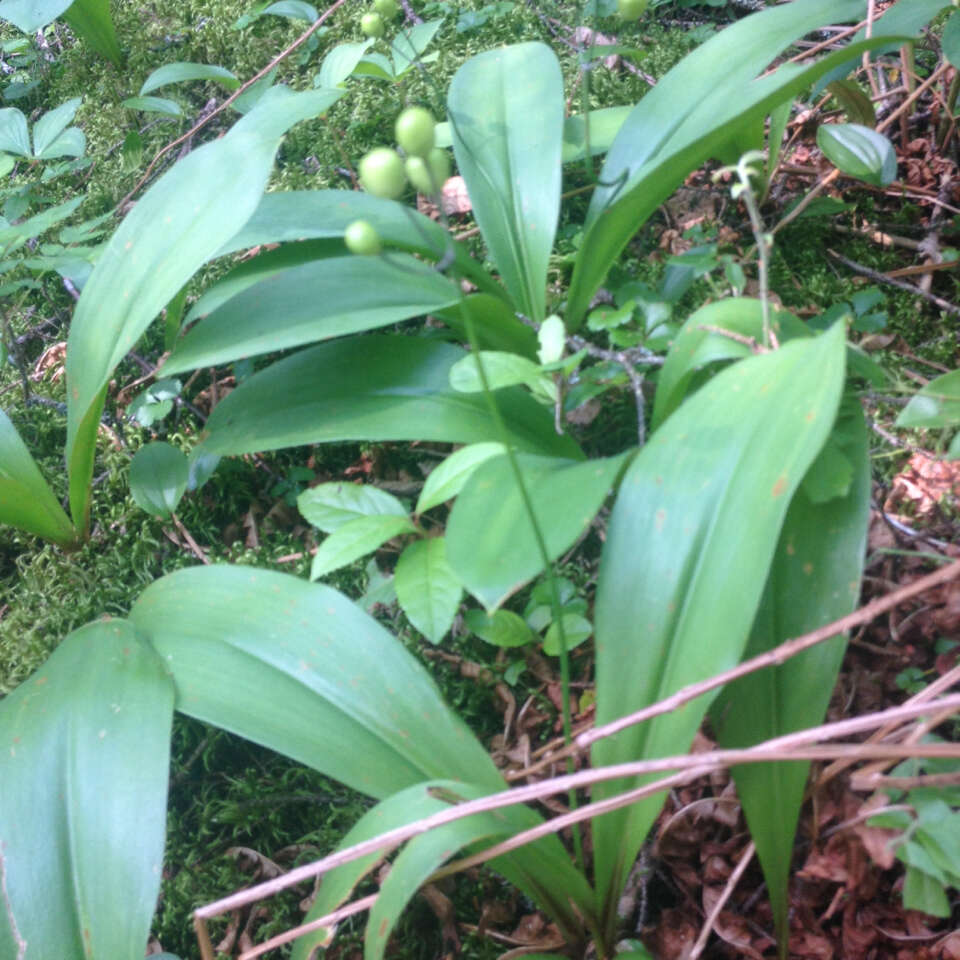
point(427, 588)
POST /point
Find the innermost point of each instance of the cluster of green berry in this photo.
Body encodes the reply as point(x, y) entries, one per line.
point(374, 23)
point(384, 173)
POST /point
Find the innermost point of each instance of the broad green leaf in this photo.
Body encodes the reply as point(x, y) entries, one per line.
point(325, 214)
point(356, 539)
point(52, 124)
point(542, 870)
point(495, 324)
point(502, 370)
point(181, 72)
point(951, 39)
point(331, 505)
point(689, 544)
point(169, 108)
point(373, 388)
point(925, 893)
point(506, 113)
point(84, 765)
point(26, 501)
point(375, 65)
point(502, 628)
point(814, 579)
point(936, 405)
point(316, 301)
point(293, 10)
point(91, 21)
point(426, 587)
point(686, 117)
point(695, 346)
point(14, 135)
point(340, 62)
point(576, 630)
point(71, 143)
point(859, 152)
point(297, 667)
point(182, 220)
point(407, 46)
point(158, 478)
point(491, 544)
point(12, 238)
point(446, 480)
point(604, 125)
point(830, 475)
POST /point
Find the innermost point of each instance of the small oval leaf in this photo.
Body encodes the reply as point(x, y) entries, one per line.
point(331, 505)
point(159, 474)
point(427, 588)
point(355, 539)
point(859, 152)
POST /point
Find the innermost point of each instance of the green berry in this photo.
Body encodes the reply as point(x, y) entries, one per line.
point(430, 174)
point(631, 9)
point(381, 173)
point(414, 131)
point(388, 9)
point(361, 237)
point(372, 25)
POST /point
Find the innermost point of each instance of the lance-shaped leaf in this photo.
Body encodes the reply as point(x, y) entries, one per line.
point(372, 388)
point(316, 301)
point(506, 115)
point(688, 548)
point(299, 668)
point(174, 229)
point(428, 590)
point(326, 214)
point(491, 543)
point(356, 539)
point(446, 480)
point(330, 506)
point(84, 761)
point(814, 579)
point(91, 21)
point(26, 501)
point(181, 72)
point(687, 117)
point(540, 865)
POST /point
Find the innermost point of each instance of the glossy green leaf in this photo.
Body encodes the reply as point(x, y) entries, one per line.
point(169, 108)
point(604, 125)
point(14, 135)
point(356, 539)
point(814, 579)
point(495, 324)
point(859, 152)
point(319, 214)
point(936, 405)
point(855, 103)
point(331, 505)
point(158, 478)
point(71, 143)
point(506, 114)
point(26, 501)
point(32, 15)
point(951, 39)
point(297, 667)
point(695, 347)
point(52, 124)
point(491, 544)
point(293, 10)
point(426, 587)
point(84, 762)
point(501, 370)
point(316, 301)
point(91, 21)
point(446, 480)
point(181, 72)
point(689, 543)
point(340, 62)
point(925, 893)
point(576, 630)
point(686, 117)
point(373, 388)
point(176, 227)
point(502, 628)
point(407, 45)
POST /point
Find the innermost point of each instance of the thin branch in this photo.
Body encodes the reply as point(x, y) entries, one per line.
point(200, 124)
point(793, 747)
point(728, 889)
point(772, 658)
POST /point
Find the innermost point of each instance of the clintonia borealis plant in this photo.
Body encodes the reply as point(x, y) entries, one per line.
point(731, 528)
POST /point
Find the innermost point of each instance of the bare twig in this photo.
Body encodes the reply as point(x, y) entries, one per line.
point(728, 889)
point(243, 88)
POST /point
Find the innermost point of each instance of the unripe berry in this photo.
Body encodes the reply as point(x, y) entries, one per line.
point(372, 25)
point(361, 237)
point(415, 131)
point(381, 173)
point(388, 9)
point(430, 174)
point(631, 9)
